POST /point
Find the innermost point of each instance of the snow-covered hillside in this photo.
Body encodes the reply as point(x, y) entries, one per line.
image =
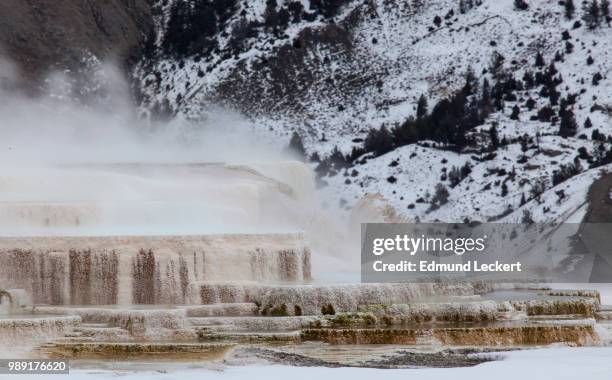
point(334, 70)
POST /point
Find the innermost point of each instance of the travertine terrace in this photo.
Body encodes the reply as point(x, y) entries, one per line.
point(94, 281)
point(145, 270)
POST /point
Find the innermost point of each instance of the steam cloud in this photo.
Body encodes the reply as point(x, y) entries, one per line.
point(77, 160)
point(102, 125)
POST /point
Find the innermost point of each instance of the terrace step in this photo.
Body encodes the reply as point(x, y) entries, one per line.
point(223, 310)
point(206, 335)
point(576, 332)
point(604, 315)
point(130, 350)
point(254, 323)
point(95, 325)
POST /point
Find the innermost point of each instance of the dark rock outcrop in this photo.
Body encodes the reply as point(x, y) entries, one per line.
point(44, 35)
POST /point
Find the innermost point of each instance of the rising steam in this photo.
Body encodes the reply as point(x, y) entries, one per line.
point(78, 160)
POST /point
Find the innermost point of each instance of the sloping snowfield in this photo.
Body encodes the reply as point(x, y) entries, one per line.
point(551, 363)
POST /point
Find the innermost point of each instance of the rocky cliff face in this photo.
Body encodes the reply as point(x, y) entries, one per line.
point(46, 35)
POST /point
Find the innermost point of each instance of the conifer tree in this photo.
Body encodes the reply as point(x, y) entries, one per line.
point(296, 145)
point(485, 99)
point(515, 112)
point(379, 141)
point(296, 9)
point(569, 9)
point(440, 197)
point(591, 14)
point(422, 107)
point(270, 14)
point(596, 78)
point(283, 18)
point(471, 83)
point(493, 137)
point(539, 60)
point(497, 64)
point(504, 189)
point(530, 104)
point(337, 159)
point(568, 125)
point(437, 21)
point(590, 60)
point(521, 5)
point(605, 11)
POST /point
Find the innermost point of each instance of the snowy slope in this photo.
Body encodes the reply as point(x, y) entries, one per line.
point(368, 66)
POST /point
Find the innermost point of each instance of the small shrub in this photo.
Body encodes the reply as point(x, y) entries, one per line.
point(521, 5)
point(590, 60)
point(596, 78)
